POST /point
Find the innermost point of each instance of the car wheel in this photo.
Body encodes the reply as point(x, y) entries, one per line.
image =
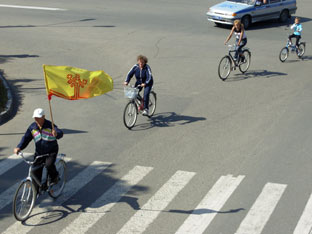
point(284, 16)
point(246, 21)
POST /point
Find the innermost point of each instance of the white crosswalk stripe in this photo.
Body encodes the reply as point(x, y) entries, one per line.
point(72, 187)
point(198, 221)
point(304, 225)
point(144, 217)
point(106, 201)
point(6, 197)
point(10, 162)
point(262, 209)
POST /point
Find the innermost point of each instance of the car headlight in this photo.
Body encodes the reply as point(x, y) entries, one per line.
point(231, 14)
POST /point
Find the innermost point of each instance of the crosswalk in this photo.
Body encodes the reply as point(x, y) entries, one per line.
point(197, 221)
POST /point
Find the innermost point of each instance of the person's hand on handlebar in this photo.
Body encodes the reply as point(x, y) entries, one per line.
point(17, 150)
point(125, 83)
point(143, 85)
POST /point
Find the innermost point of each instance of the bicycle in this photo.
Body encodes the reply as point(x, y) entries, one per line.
point(26, 193)
point(228, 63)
point(135, 105)
point(293, 48)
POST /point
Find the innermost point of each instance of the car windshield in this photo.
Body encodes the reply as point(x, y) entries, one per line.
point(249, 2)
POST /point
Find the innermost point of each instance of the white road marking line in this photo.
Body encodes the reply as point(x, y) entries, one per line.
point(33, 7)
point(304, 225)
point(10, 162)
point(204, 213)
point(70, 189)
point(142, 218)
point(262, 209)
point(6, 197)
point(105, 203)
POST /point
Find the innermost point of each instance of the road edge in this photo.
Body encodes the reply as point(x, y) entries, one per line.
point(6, 114)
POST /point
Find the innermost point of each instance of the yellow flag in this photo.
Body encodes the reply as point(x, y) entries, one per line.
point(74, 83)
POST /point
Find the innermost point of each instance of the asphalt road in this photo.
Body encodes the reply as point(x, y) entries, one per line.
point(255, 127)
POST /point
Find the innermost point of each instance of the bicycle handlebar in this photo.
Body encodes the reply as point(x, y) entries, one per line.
point(37, 157)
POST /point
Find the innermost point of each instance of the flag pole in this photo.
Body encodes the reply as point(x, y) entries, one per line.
point(49, 96)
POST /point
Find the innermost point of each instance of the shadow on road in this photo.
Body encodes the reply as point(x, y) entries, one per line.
point(304, 58)
point(256, 74)
point(72, 131)
point(167, 119)
point(205, 211)
point(6, 58)
point(61, 24)
point(18, 93)
point(87, 193)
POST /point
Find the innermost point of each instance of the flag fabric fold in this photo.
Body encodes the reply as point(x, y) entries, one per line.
point(75, 83)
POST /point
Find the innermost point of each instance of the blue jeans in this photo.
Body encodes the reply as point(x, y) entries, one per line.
point(239, 49)
point(147, 91)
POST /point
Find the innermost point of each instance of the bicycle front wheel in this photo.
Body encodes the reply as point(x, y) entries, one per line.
point(284, 54)
point(225, 67)
point(152, 103)
point(24, 200)
point(301, 50)
point(244, 65)
point(130, 115)
point(56, 190)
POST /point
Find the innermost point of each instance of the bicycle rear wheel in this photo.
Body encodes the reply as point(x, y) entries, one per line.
point(244, 65)
point(56, 190)
point(24, 200)
point(283, 54)
point(224, 68)
point(301, 50)
point(152, 103)
point(130, 114)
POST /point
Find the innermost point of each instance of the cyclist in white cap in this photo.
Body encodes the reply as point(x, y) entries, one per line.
point(45, 137)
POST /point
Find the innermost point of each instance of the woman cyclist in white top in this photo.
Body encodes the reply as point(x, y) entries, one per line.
point(241, 38)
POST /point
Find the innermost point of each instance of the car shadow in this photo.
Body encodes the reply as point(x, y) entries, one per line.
point(255, 74)
point(167, 119)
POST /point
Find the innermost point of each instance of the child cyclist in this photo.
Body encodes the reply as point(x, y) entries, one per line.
point(297, 27)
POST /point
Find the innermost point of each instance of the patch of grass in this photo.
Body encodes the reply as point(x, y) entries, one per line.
point(3, 97)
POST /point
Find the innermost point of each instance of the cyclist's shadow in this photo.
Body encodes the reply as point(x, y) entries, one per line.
point(256, 74)
point(167, 119)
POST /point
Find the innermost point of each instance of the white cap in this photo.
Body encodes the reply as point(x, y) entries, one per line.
point(38, 113)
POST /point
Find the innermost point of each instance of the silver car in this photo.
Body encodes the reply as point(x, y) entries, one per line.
point(250, 11)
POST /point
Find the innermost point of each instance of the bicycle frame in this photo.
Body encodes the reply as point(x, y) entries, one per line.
point(231, 51)
point(31, 176)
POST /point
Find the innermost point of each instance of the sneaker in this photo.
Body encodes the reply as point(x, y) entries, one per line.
point(145, 112)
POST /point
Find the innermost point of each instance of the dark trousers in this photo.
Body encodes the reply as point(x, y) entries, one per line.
point(239, 49)
point(49, 164)
point(147, 91)
point(295, 36)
